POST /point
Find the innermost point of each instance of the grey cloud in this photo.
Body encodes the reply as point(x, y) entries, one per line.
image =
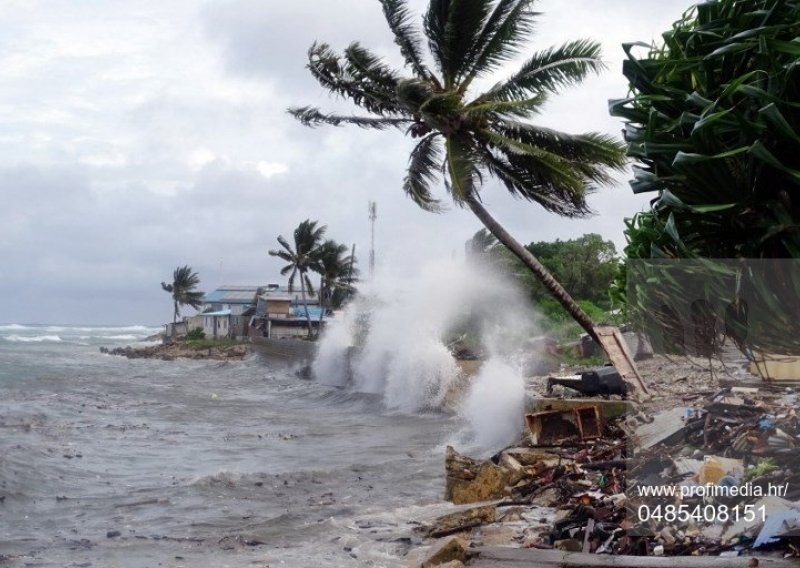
point(147, 157)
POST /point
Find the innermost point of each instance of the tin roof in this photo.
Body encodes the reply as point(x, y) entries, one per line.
point(231, 295)
point(219, 313)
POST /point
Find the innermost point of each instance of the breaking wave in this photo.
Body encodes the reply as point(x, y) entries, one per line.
point(33, 338)
point(393, 341)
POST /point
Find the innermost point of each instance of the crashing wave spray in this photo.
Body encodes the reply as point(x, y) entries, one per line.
point(400, 328)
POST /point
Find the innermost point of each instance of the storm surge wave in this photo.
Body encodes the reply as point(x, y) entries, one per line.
point(397, 340)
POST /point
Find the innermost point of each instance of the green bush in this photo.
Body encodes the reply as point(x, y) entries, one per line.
point(195, 334)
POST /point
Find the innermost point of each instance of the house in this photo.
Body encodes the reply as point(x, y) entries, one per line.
point(237, 299)
point(280, 313)
point(226, 312)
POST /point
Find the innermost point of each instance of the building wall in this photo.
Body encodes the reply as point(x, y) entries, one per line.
point(179, 329)
point(194, 322)
point(210, 326)
point(278, 331)
point(278, 308)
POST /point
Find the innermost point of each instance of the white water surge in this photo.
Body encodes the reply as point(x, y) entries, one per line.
point(391, 341)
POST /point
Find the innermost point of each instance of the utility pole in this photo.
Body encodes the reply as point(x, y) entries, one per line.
point(373, 214)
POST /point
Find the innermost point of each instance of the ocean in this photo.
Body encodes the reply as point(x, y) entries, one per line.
point(110, 462)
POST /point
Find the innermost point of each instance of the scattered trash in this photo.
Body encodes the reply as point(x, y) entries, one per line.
point(715, 477)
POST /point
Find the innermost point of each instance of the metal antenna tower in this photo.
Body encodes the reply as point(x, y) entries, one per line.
point(373, 214)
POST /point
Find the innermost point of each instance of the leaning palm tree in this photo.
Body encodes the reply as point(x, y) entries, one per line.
point(301, 259)
point(465, 136)
point(337, 274)
point(183, 290)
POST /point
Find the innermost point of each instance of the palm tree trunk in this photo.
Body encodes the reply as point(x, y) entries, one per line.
point(305, 304)
point(544, 276)
point(322, 301)
point(175, 322)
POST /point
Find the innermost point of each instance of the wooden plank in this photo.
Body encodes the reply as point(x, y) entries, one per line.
point(498, 557)
point(616, 349)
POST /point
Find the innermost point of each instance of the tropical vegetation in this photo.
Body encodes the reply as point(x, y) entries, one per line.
point(309, 253)
point(466, 137)
point(335, 264)
point(301, 257)
point(713, 122)
point(586, 266)
point(183, 290)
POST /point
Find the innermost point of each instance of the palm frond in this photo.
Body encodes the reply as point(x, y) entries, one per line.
point(307, 238)
point(309, 285)
point(494, 110)
point(503, 34)
point(590, 148)
point(192, 298)
point(166, 287)
point(365, 66)
point(424, 162)
point(453, 27)
point(310, 116)
point(531, 184)
point(406, 36)
point(550, 71)
point(292, 276)
point(461, 165)
point(347, 79)
point(543, 170)
point(286, 246)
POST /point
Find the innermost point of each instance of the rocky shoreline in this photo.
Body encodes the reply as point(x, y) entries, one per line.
point(172, 351)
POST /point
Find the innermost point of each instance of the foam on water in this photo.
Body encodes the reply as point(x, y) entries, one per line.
point(402, 355)
point(32, 338)
point(15, 333)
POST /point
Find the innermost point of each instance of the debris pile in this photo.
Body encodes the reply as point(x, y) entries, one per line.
point(716, 477)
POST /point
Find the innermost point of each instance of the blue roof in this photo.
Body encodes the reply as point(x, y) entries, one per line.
point(219, 313)
point(300, 312)
point(231, 295)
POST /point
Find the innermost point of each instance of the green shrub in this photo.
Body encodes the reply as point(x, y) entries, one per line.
point(195, 334)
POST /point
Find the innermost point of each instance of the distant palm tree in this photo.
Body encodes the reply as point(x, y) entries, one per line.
point(183, 290)
point(302, 259)
point(482, 244)
point(463, 137)
point(337, 273)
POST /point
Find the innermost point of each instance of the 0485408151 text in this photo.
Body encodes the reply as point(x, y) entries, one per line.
point(708, 513)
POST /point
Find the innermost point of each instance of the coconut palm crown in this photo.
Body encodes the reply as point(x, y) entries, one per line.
point(301, 258)
point(338, 274)
point(464, 136)
point(183, 290)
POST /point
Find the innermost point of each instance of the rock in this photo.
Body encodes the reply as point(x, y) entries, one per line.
point(462, 520)
point(173, 351)
point(451, 549)
point(512, 515)
point(568, 545)
point(452, 564)
point(515, 470)
point(471, 481)
point(113, 534)
point(498, 536)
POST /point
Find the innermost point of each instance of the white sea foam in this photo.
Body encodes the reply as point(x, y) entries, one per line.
point(32, 338)
point(12, 326)
point(403, 356)
point(495, 404)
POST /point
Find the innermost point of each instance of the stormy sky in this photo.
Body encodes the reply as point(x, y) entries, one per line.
point(139, 136)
